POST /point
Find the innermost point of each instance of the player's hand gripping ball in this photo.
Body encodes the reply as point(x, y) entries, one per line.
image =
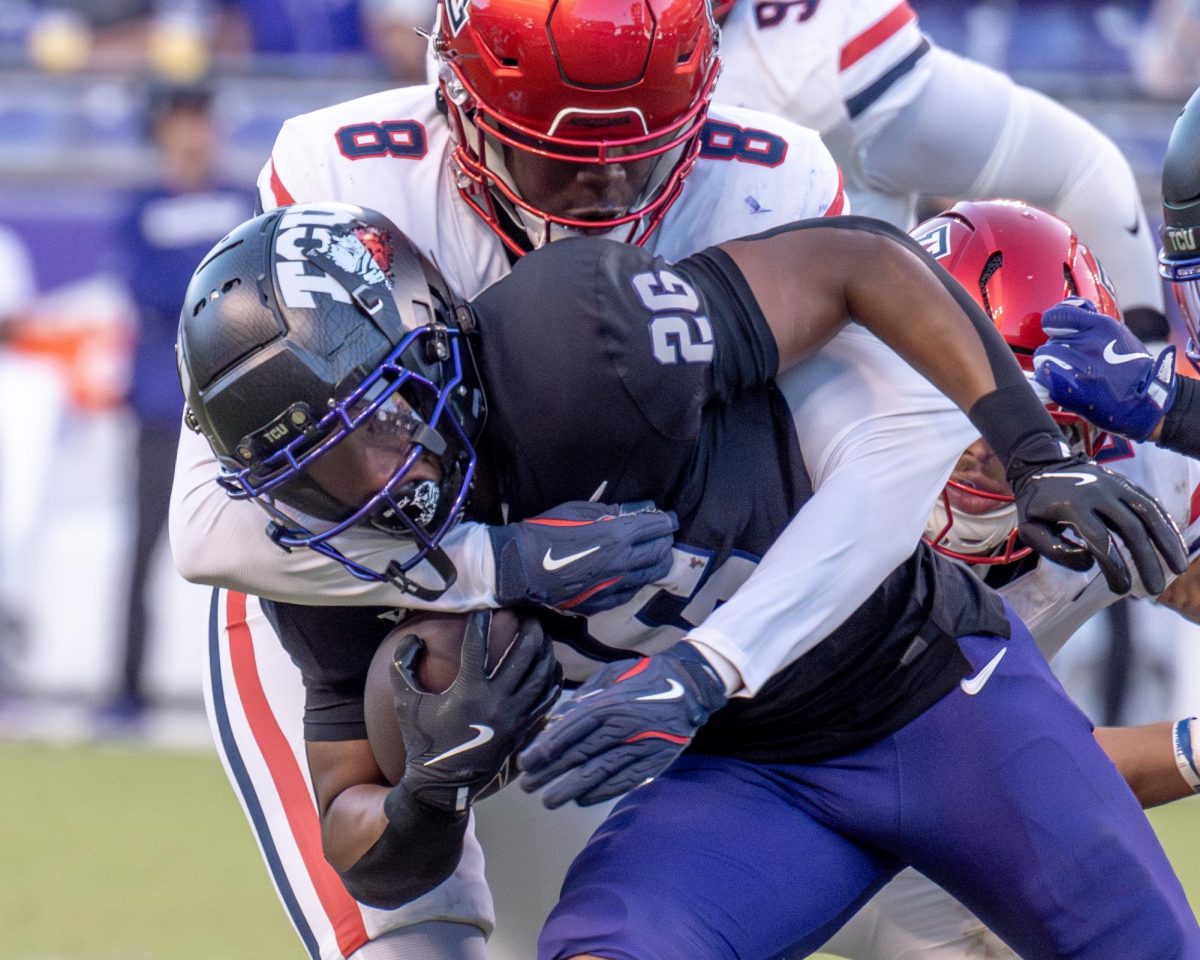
point(449, 699)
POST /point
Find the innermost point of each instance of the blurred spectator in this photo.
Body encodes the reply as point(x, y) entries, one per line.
point(382, 29)
point(168, 230)
point(392, 26)
point(1167, 55)
point(16, 279)
point(16, 294)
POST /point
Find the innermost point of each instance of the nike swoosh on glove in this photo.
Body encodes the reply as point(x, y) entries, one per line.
point(459, 744)
point(1068, 509)
point(582, 556)
point(1095, 367)
point(623, 727)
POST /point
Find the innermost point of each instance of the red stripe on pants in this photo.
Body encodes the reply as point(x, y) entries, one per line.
point(290, 783)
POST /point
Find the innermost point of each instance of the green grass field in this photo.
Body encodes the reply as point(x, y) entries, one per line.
point(123, 854)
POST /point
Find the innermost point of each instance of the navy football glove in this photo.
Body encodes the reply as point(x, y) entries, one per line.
point(460, 744)
point(623, 727)
point(582, 556)
point(1097, 368)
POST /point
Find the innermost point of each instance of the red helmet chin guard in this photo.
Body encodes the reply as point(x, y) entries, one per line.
point(1016, 261)
point(590, 83)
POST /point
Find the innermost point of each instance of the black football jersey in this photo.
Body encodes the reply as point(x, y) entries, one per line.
point(614, 373)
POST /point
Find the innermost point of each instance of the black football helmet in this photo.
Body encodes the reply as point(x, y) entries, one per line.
point(1179, 259)
point(313, 338)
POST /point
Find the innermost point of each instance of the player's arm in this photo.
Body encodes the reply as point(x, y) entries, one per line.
point(879, 443)
point(992, 138)
point(221, 542)
point(1157, 760)
point(854, 268)
point(810, 278)
point(1183, 594)
point(393, 843)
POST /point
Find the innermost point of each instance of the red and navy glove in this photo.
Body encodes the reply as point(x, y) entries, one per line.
point(582, 556)
point(623, 727)
point(1097, 368)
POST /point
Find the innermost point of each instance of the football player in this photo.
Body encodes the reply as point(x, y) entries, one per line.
point(528, 135)
point(849, 746)
point(904, 118)
point(1015, 260)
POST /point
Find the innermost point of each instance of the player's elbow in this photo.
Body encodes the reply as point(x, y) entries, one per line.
point(194, 561)
point(390, 886)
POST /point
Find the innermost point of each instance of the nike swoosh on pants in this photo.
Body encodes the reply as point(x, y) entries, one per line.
point(972, 685)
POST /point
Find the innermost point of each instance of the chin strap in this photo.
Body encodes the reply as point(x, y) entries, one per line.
point(395, 574)
point(442, 565)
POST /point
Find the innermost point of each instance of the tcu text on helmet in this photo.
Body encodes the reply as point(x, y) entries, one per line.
point(298, 233)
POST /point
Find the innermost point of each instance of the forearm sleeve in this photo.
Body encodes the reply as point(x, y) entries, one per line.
point(1181, 425)
point(880, 442)
point(418, 849)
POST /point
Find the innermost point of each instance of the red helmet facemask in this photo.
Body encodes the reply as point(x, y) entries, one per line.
point(550, 92)
point(1016, 261)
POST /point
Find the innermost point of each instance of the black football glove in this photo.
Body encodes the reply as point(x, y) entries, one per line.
point(462, 743)
point(1057, 492)
point(582, 556)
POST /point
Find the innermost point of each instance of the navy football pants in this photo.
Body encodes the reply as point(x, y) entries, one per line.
point(1003, 797)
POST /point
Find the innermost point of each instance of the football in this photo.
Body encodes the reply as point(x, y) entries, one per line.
point(435, 669)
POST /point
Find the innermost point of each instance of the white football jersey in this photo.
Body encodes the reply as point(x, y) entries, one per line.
point(905, 118)
point(1053, 601)
point(819, 62)
point(390, 151)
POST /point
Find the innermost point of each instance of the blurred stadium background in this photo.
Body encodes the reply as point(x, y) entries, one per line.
point(118, 835)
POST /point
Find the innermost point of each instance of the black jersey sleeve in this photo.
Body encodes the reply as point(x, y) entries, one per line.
point(332, 647)
point(589, 337)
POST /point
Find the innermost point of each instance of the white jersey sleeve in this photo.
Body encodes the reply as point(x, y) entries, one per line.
point(1053, 601)
point(993, 138)
point(223, 543)
point(16, 275)
point(819, 63)
point(861, 417)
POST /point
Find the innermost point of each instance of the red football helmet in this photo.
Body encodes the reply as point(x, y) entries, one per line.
point(619, 87)
point(1016, 261)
